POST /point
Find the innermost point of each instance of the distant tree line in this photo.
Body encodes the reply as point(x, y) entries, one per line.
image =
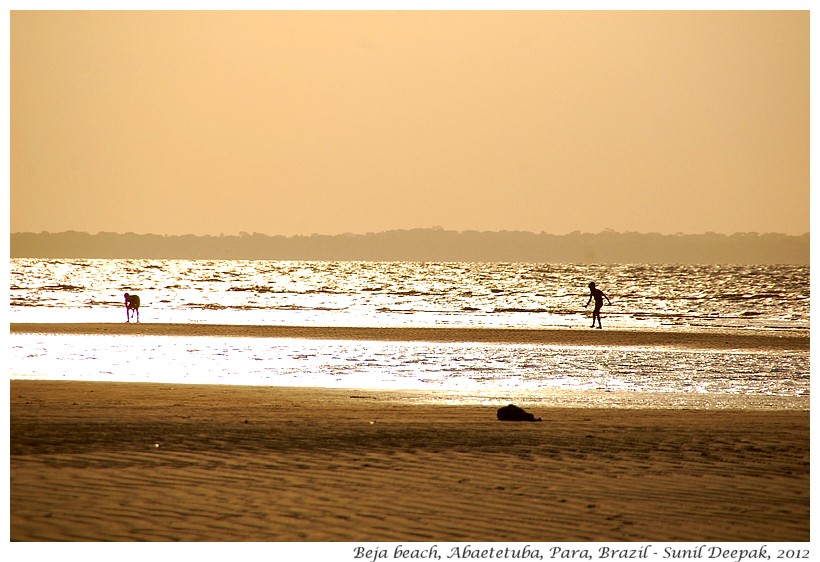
point(427, 244)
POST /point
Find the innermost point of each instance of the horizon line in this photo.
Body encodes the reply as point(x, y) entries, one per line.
point(242, 234)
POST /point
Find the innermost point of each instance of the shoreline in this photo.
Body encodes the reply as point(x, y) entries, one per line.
point(729, 339)
point(93, 461)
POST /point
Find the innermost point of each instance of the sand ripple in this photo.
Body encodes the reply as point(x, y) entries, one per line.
point(107, 461)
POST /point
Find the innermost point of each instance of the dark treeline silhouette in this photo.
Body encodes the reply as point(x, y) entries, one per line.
point(427, 244)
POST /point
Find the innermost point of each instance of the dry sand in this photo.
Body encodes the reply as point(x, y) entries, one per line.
point(129, 461)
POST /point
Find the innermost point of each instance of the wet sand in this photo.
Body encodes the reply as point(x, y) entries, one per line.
point(93, 461)
point(712, 339)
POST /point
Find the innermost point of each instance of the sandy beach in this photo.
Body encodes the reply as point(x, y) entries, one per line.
point(712, 339)
point(95, 461)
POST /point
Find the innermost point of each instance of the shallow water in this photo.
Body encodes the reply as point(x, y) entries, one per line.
point(465, 369)
point(409, 294)
point(758, 299)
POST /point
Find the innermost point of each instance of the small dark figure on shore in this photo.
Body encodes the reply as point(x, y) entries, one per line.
point(514, 413)
point(599, 297)
point(132, 307)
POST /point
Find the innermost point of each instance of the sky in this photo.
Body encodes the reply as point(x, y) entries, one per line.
point(303, 122)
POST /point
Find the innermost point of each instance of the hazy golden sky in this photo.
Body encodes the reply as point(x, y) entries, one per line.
point(328, 122)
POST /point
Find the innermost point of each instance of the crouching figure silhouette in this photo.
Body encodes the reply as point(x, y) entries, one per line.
point(132, 307)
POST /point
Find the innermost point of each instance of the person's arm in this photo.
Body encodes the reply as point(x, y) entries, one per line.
point(589, 301)
point(607, 299)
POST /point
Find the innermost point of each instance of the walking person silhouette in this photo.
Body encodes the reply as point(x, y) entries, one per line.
point(599, 297)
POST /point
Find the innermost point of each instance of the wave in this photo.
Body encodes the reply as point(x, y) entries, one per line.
point(65, 287)
point(514, 309)
point(514, 295)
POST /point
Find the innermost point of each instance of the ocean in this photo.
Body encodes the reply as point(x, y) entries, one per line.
point(754, 299)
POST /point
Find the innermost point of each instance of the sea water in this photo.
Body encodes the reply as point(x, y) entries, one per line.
point(757, 299)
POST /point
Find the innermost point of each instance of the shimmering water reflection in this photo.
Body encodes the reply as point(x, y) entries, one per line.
point(405, 294)
point(758, 299)
point(577, 375)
